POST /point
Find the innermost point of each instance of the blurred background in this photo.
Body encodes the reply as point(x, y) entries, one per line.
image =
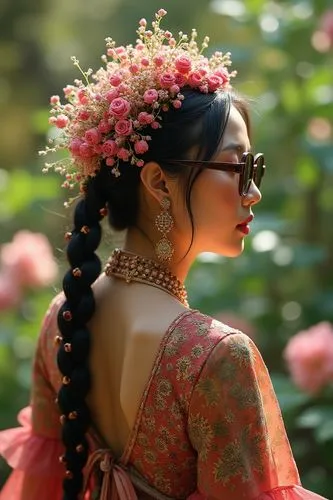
point(280, 291)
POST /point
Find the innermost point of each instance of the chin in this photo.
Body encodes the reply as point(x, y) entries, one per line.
point(232, 251)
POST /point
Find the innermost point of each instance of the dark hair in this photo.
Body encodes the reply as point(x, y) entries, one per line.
point(200, 122)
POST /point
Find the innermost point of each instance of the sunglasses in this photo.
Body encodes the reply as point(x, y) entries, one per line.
point(251, 168)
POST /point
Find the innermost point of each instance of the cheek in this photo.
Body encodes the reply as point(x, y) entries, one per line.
point(216, 197)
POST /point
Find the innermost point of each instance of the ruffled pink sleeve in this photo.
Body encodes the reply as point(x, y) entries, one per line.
point(33, 449)
point(235, 425)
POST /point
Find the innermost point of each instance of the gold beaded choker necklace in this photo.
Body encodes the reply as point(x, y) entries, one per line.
point(132, 267)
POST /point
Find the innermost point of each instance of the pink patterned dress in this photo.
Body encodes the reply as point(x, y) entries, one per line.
point(208, 426)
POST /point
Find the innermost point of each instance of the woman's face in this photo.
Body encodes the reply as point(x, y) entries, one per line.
point(218, 209)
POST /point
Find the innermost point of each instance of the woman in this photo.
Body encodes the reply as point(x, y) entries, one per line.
point(153, 399)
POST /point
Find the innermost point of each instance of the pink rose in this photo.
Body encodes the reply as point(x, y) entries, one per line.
point(110, 148)
point(29, 259)
point(93, 136)
point(111, 95)
point(140, 163)
point(180, 79)
point(174, 89)
point(155, 125)
point(145, 118)
point(86, 150)
point(194, 79)
point(166, 80)
point(183, 64)
point(61, 121)
point(223, 73)
point(309, 355)
point(150, 96)
point(214, 82)
point(104, 126)
point(115, 80)
point(119, 107)
point(123, 154)
point(162, 12)
point(74, 146)
point(141, 147)
point(123, 127)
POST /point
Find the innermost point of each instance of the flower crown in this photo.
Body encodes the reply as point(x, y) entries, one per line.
point(109, 117)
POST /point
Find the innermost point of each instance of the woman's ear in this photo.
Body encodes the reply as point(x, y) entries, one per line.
point(155, 181)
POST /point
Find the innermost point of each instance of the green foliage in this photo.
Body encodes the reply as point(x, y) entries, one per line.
point(283, 281)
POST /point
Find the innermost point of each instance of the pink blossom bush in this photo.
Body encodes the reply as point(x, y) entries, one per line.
point(25, 262)
point(309, 357)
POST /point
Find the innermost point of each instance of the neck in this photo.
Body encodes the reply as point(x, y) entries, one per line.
point(138, 243)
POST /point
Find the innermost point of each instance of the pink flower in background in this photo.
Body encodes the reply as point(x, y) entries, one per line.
point(10, 290)
point(309, 356)
point(28, 260)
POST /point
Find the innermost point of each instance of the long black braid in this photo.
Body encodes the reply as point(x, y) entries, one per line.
point(74, 343)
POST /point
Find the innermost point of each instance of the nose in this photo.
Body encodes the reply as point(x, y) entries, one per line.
point(252, 197)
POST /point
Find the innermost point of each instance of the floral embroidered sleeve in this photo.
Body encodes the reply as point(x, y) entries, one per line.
point(235, 425)
point(33, 449)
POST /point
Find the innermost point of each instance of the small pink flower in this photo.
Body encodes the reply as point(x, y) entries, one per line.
point(143, 22)
point(150, 96)
point(82, 96)
point(110, 161)
point(183, 64)
point(177, 103)
point(145, 61)
point(159, 60)
point(93, 136)
point(123, 154)
point(74, 146)
point(123, 127)
point(83, 115)
point(119, 107)
point(111, 53)
point(52, 120)
point(115, 79)
point(309, 355)
point(86, 150)
point(145, 118)
point(68, 90)
point(120, 50)
point(134, 68)
point(139, 46)
point(168, 35)
point(54, 100)
point(162, 12)
point(111, 95)
point(61, 121)
point(155, 125)
point(166, 80)
point(174, 89)
point(104, 126)
point(172, 42)
point(110, 148)
point(141, 147)
point(214, 82)
point(140, 163)
point(194, 79)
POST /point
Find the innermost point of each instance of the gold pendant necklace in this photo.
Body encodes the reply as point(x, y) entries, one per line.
point(132, 267)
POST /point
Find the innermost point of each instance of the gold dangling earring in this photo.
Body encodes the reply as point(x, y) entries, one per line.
point(164, 222)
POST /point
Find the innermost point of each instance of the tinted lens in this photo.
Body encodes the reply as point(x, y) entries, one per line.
point(248, 172)
point(259, 170)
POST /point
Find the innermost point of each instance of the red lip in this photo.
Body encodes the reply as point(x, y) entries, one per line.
point(246, 221)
